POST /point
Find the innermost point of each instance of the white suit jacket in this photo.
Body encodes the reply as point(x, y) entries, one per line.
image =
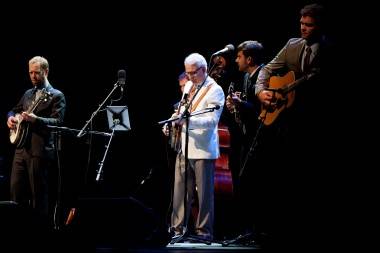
point(203, 128)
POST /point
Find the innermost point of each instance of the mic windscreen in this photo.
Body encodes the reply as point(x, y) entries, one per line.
point(230, 47)
point(187, 88)
point(121, 76)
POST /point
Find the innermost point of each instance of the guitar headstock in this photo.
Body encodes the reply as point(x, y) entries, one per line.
point(231, 88)
point(44, 95)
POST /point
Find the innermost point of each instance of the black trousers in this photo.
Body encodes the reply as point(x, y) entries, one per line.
point(31, 183)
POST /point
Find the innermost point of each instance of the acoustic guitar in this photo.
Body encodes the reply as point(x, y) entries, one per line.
point(284, 95)
point(17, 135)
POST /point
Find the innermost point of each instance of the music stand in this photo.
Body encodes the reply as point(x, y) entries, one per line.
point(118, 120)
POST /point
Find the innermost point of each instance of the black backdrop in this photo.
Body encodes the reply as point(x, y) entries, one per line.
point(86, 46)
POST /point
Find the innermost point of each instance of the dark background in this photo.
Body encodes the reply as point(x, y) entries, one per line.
point(86, 46)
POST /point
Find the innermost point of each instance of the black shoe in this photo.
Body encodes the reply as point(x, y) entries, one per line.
point(176, 238)
point(207, 239)
point(243, 239)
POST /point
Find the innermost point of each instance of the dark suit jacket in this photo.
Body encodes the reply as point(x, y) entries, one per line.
point(250, 108)
point(40, 141)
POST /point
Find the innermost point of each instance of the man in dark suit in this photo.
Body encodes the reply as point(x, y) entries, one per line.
point(242, 101)
point(34, 158)
point(303, 55)
point(294, 145)
point(244, 107)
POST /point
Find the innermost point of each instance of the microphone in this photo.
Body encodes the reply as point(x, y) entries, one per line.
point(216, 107)
point(185, 94)
point(211, 109)
point(227, 48)
point(121, 76)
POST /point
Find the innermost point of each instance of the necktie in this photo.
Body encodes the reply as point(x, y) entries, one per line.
point(306, 60)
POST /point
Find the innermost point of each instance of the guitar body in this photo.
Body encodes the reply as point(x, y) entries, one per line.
point(175, 137)
point(281, 101)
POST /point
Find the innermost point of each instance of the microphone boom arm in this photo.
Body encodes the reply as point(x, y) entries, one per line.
point(81, 132)
point(202, 111)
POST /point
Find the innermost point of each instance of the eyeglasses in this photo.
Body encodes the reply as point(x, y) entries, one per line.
point(193, 73)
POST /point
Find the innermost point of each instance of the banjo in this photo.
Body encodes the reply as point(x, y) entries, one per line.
point(17, 135)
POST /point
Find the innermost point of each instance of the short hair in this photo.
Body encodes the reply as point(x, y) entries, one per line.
point(41, 60)
point(196, 59)
point(315, 11)
point(254, 49)
point(182, 76)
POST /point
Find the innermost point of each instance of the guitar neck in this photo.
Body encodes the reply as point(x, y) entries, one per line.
point(34, 106)
point(290, 87)
point(231, 88)
point(38, 101)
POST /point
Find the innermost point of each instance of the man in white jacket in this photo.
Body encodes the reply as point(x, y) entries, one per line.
point(203, 149)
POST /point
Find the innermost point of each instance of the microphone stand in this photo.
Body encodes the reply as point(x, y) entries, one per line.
point(275, 91)
point(251, 235)
point(73, 130)
point(119, 83)
point(81, 132)
point(253, 145)
point(100, 170)
point(57, 136)
point(210, 109)
point(252, 148)
point(57, 132)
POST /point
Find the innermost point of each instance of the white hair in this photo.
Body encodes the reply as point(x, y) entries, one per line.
point(197, 60)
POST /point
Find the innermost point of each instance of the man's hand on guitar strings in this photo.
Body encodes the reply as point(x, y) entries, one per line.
point(266, 97)
point(30, 117)
point(233, 100)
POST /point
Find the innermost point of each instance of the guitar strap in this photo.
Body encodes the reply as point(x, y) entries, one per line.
point(196, 103)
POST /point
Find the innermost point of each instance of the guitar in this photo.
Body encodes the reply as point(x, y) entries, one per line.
point(175, 136)
point(284, 95)
point(175, 130)
point(17, 135)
